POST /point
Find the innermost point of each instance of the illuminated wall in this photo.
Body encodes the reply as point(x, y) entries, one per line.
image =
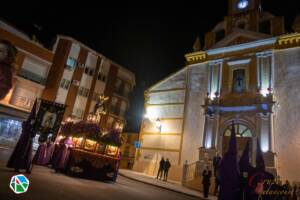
point(194, 115)
point(287, 115)
point(162, 128)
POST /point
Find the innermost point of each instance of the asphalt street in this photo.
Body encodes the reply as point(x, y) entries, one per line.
point(45, 184)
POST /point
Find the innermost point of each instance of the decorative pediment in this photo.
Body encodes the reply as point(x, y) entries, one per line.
point(239, 36)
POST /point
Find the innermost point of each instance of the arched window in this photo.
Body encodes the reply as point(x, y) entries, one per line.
point(240, 130)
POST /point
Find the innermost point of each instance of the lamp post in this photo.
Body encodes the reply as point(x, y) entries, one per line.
point(158, 124)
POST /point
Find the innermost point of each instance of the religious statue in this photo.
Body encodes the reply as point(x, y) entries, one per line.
point(100, 104)
point(47, 124)
point(99, 108)
point(7, 57)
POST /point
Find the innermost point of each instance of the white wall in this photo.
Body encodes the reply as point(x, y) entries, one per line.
point(61, 96)
point(171, 119)
point(170, 111)
point(86, 81)
point(170, 97)
point(153, 157)
point(195, 118)
point(105, 67)
point(287, 115)
point(162, 141)
point(62, 93)
point(178, 80)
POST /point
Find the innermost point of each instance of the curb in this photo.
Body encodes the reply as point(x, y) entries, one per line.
point(159, 186)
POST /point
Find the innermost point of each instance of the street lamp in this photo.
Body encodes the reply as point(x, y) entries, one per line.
point(158, 124)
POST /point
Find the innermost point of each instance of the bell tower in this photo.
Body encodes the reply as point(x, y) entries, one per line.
point(242, 6)
point(243, 14)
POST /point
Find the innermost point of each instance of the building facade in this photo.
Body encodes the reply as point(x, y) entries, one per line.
point(70, 73)
point(79, 75)
point(248, 73)
point(33, 63)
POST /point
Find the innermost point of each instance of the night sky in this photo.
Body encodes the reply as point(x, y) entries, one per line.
point(148, 39)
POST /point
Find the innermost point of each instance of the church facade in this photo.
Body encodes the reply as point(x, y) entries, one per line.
point(248, 73)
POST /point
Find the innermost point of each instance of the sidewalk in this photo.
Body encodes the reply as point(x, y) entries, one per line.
point(170, 185)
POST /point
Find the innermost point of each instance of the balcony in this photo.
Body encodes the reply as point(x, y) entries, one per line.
point(32, 76)
point(121, 92)
point(22, 102)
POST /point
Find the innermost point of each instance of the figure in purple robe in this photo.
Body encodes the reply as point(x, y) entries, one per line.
point(255, 180)
point(40, 155)
point(61, 157)
point(21, 157)
point(246, 169)
point(50, 150)
point(44, 152)
point(259, 178)
point(229, 173)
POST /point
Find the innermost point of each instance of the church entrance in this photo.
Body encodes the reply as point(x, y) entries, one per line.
point(243, 134)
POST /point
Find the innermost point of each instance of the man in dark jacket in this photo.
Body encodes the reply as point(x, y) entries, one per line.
point(206, 175)
point(166, 169)
point(216, 163)
point(161, 168)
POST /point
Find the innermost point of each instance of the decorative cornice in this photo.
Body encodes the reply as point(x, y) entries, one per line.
point(215, 62)
point(239, 62)
point(196, 57)
point(264, 54)
point(288, 40)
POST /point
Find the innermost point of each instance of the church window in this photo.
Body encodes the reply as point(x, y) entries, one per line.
point(238, 81)
point(265, 27)
point(240, 130)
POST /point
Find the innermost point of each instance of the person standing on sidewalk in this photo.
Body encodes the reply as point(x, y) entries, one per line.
point(206, 175)
point(166, 169)
point(161, 168)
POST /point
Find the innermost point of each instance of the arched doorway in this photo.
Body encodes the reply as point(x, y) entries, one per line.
point(243, 134)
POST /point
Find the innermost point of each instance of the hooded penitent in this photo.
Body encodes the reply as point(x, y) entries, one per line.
point(21, 157)
point(229, 174)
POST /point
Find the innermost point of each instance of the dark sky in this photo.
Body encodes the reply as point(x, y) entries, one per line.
point(150, 40)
